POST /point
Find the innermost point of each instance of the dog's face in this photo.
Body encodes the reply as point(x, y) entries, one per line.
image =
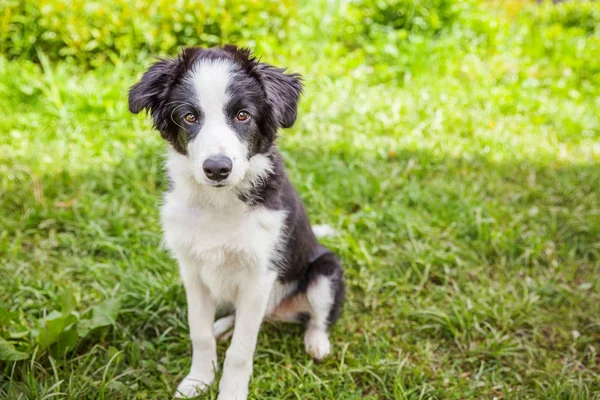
point(218, 107)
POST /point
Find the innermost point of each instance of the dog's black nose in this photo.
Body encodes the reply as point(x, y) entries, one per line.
point(217, 168)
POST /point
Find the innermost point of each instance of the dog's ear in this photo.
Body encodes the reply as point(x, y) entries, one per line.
point(283, 92)
point(152, 90)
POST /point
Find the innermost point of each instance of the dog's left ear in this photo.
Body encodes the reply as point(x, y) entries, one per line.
point(283, 92)
point(151, 91)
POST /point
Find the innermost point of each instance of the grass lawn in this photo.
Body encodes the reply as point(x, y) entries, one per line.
point(462, 172)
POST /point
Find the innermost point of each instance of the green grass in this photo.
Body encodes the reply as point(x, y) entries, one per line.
point(463, 175)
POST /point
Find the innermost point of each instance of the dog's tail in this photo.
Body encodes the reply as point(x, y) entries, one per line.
point(324, 231)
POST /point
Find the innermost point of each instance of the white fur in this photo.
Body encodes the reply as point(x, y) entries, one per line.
point(201, 311)
point(222, 326)
point(251, 306)
point(316, 343)
point(320, 298)
point(216, 137)
point(225, 251)
point(188, 190)
point(228, 245)
point(324, 231)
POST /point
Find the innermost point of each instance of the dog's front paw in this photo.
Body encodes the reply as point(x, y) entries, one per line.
point(233, 394)
point(233, 388)
point(192, 386)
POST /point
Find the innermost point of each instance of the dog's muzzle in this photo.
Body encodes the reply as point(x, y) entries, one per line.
point(217, 168)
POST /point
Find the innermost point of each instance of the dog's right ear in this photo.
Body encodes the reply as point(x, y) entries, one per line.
point(152, 90)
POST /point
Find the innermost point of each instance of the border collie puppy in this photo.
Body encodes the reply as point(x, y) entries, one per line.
point(231, 218)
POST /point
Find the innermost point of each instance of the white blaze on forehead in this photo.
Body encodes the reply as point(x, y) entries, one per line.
point(216, 137)
point(210, 79)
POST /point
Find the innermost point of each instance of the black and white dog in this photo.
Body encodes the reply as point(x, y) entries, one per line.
point(232, 219)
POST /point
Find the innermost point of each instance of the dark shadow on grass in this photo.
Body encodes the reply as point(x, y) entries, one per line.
point(401, 212)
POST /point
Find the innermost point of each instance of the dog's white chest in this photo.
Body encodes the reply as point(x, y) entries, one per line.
point(231, 245)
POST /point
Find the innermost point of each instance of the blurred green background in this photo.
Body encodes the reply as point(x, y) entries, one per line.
point(454, 145)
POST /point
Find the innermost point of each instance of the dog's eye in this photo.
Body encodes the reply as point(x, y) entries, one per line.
point(242, 116)
point(191, 118)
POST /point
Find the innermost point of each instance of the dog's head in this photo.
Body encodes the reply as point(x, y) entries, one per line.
point(217, 107)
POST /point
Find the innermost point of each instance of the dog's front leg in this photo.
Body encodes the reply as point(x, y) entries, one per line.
point(251, 304)
point(201, 315)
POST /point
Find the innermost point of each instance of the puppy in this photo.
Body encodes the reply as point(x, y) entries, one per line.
point(231, 217)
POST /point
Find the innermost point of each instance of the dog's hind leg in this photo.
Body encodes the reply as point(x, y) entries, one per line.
point(222, 328)
point(325, 294)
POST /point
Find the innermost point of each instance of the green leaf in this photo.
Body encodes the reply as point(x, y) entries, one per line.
point(51, 327)
point(115, 355)
point(7, 316)
point(19, 335)
point(103, 314)
point(66, 341)
point(67, 301)
point(9, 353)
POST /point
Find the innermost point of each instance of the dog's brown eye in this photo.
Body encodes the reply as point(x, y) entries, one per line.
point(191, 118)
point(242, 116)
